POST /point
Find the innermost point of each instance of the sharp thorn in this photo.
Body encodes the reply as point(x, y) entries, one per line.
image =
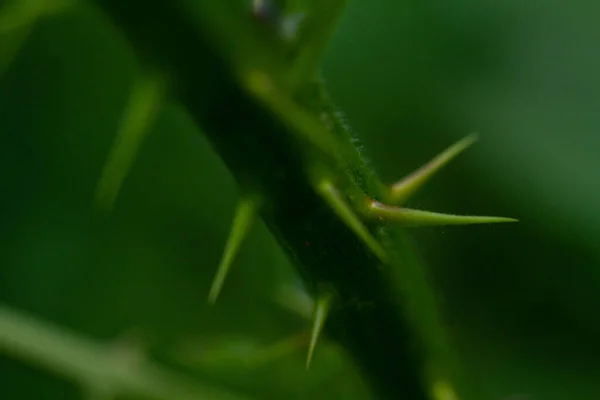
point(243, 220)
point(320, 316)
point(412, 218)
point(143, 105)
point(405, 188)
point(347, 215)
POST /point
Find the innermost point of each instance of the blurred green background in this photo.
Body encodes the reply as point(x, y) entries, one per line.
point(412, 77)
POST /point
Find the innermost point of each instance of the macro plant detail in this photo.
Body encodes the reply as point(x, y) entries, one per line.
point(300, 169)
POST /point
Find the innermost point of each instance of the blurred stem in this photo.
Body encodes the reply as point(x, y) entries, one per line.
point(314, 36)
point(97, 368)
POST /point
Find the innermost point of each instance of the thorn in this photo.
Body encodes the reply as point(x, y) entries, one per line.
point(320, 316)
point(141, 110)
point(245, 215)
point(412, 218)
point(403, 189)
point(347, 215)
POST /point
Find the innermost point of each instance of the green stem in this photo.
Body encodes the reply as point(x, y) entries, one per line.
point(93, 366)
point(384, 313)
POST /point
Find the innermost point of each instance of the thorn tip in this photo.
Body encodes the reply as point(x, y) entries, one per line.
point(245, 214)
point(406, 187)
point(409, 217)
point(320, 316)
point(144, 102)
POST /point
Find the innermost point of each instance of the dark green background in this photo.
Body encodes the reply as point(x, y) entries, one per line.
point(411, 77)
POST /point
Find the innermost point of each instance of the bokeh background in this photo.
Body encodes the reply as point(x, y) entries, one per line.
point(412, 77)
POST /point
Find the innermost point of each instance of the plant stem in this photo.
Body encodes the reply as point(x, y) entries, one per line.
point(383, 313)
point(95, 366)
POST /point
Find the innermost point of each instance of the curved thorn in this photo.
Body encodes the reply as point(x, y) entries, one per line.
point(412, 218)
point(403, 189)
point(347, 215)
point(320, 316)
point(245, 215)
point(144, 102)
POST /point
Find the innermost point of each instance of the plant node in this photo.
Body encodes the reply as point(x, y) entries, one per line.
point(332, 196)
